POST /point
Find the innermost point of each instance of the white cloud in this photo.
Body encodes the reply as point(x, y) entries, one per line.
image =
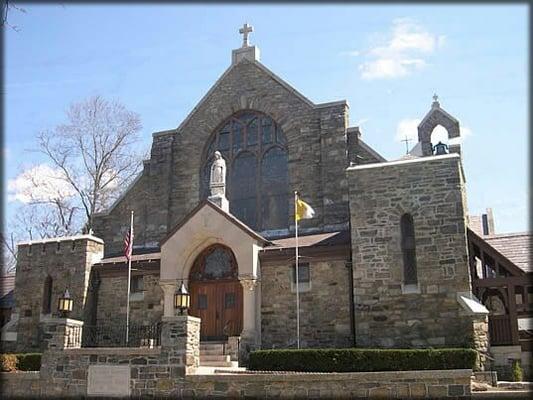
point(39, 183)
point(402, 53)
point(407, 128)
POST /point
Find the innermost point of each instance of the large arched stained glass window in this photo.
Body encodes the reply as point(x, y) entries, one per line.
point(255, 150)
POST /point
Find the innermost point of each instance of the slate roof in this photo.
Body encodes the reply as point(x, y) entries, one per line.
point(515, 246)
point(7, 287)
point(319, 239)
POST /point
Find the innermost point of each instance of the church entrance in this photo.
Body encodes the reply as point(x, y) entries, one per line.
point(216, 293)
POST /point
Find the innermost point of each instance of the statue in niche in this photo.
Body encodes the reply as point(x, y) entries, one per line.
point(217, 181)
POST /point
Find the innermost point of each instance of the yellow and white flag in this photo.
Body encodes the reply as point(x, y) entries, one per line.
point(303, 210)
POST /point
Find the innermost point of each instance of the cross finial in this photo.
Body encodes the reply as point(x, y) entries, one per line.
point(406, 140)
point(435, 97)
point(245, 30)
point(436, 103)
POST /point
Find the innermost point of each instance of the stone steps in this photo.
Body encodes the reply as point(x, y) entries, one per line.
point(212, 355)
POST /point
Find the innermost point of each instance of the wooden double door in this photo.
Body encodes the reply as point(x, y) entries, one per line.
point(219, 305)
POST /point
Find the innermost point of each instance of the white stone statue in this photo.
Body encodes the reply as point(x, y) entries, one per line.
point(218, 169)
point(217, 180)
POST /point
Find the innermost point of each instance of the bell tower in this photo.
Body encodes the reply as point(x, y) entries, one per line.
point(437, 116)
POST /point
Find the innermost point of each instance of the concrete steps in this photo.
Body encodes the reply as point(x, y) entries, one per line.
point(212, 355)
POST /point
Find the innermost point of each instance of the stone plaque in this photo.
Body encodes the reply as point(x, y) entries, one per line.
point(108, 380)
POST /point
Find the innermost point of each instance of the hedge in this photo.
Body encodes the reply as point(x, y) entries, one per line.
point(20, 362)
point(361, 360)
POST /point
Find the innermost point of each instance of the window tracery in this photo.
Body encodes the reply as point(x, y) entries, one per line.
point(255, 150)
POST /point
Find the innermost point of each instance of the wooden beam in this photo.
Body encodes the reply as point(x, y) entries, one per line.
point(502, 281)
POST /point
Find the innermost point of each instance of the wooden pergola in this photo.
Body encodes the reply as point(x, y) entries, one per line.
point(504, 288)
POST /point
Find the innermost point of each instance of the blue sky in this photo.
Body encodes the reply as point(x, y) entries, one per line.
point(386, 60)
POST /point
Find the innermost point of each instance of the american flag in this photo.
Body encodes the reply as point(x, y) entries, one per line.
point(128, 244)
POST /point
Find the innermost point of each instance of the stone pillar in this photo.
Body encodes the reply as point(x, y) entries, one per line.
point(248, 341)
point(61, 333)
point(180, 343)
point(58, 334)
point(169, 289)
point(481, 341)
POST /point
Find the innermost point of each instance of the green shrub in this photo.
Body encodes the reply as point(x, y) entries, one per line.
point(8, 362)
point(518, 374)
point(20, 362)
point(29, 361)
point(361, 360)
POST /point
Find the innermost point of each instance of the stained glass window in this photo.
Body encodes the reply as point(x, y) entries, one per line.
point(215, 262)
point(255, 150)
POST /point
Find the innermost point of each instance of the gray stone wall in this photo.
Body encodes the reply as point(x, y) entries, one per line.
point(170, 184)
point(440, 384)
point(153, 371)
point(387, 313)
point(324, 308)
point(146, 307)
point(68, 262)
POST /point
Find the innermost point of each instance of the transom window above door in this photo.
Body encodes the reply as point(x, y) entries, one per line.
point(214, 263)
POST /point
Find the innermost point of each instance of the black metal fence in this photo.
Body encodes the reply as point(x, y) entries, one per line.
point(114, 335)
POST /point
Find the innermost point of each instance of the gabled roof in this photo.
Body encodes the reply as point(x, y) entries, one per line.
point(231, 218)
point(515, 246)
point(492, 251)
point(438, 109)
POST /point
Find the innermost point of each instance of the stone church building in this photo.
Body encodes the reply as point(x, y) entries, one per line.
point(383, 263)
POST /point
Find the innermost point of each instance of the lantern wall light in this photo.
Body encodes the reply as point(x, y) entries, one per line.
point(64, 305)
point(182, 299)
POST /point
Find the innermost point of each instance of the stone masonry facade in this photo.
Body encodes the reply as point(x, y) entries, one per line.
point(169, 186)
point(146, 306)
point(389, 313)
point(324, 306)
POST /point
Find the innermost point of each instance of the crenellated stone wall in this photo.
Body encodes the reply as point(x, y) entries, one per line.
point(388, 312)
point(68, 261)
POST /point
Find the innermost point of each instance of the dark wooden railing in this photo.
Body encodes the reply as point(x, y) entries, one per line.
point(500, 330)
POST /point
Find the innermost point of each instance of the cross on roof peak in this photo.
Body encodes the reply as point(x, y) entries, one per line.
point(435, 97)
point(244, 31)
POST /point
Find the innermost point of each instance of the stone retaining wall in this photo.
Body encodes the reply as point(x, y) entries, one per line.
point(20, 384)
point(449, 384)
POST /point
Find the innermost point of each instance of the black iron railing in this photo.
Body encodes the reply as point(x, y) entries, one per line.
point(113, 335)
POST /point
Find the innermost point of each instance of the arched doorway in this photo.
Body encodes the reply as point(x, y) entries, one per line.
point(216, 293)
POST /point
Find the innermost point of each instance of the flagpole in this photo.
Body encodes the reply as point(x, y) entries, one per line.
point(297, 271)
point(129, 282)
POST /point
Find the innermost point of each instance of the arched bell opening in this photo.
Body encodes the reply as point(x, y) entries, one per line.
point(216, 293)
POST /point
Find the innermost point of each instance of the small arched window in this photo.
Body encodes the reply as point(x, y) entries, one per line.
point(255, 150)
point(47, 295)
point(408, 249)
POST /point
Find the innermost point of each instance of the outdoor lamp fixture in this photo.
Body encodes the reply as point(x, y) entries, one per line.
point(440, 148)
point(182, 299)
point(64, 305)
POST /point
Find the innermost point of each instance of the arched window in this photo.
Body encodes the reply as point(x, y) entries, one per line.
point(47, 295)
point(408, 249)
point(214, 263)
point(257, 181)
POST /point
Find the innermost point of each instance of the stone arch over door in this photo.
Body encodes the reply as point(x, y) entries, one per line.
point(216, 293)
